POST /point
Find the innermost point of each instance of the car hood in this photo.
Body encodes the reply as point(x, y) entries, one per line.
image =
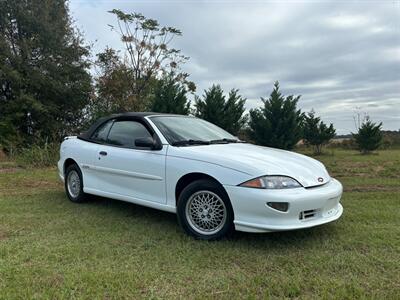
point(258, 161)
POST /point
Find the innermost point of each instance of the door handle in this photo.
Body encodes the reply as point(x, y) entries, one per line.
point(103, 153)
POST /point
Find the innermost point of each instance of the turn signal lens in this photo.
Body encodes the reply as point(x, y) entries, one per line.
point(255, 183)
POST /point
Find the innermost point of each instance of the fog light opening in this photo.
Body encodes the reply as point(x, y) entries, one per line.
point(281, 206)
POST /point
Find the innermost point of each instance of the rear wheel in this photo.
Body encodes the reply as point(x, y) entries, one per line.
point(74, 184)
point(204, 210)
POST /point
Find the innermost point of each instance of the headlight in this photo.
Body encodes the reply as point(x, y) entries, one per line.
point(272, 182)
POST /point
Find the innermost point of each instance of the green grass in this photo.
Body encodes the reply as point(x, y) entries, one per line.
point(51, 248)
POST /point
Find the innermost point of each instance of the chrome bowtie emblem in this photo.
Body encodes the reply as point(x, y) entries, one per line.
point(320, 179)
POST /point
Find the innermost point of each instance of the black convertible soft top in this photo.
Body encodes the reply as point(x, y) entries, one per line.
point(128, 115)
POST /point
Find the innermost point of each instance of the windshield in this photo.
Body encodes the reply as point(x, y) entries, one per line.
point(188, 130)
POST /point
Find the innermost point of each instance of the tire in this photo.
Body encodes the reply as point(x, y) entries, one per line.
point(74, 184)
point(204, 210)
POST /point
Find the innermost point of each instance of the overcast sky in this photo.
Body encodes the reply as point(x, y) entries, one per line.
point(341, 56)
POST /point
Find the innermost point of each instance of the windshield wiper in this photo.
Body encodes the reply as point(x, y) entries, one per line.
point(190, 142)
point(225, 141)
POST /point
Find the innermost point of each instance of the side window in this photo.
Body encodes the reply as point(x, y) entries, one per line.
point(124, 133)
point(100, 135)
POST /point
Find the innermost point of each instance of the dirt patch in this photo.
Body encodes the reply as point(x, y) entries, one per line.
point(372, 188)
point(3, 156)
point(40, 184)
point(357, 164)
point(365, 170)
point(379, 168)
point(3, 235)
point(9, 170)
point(28, 186)
point(56, 280)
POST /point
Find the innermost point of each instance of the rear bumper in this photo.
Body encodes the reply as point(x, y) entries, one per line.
point(252, 214)
point(60, 165)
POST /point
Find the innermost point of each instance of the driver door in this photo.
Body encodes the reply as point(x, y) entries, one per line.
point(123, 169)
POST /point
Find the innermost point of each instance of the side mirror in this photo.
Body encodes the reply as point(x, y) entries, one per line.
point(147, 142)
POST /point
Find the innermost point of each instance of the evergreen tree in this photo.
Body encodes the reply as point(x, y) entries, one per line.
point(234, 117)
point(316, 133)
point(227, 114)
point(278, 123)
point(211, 106)
point(369, 136)
point(170, 96)
point(43, 70)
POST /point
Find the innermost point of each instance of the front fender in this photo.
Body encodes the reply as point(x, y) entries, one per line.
point(177, 167)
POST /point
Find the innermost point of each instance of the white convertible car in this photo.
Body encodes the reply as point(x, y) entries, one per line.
point(213, 181)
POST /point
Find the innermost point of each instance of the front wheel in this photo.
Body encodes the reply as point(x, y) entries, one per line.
point(204, 210)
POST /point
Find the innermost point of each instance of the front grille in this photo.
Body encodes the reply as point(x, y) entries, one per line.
point(307, 214)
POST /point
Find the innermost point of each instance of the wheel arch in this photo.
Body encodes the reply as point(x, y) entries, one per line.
point(67, 163)
point(187, 179)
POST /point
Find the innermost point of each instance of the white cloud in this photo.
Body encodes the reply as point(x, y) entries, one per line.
point(337, 55)
point(346, 21)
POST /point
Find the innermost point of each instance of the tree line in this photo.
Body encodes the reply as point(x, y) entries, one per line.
point(48, 91)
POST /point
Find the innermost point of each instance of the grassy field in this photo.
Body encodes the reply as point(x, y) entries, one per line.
point(52, 248)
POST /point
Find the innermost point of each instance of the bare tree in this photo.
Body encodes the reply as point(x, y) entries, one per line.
point(148, 53)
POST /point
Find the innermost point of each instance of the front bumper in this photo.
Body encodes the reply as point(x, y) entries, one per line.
point(320, 205)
